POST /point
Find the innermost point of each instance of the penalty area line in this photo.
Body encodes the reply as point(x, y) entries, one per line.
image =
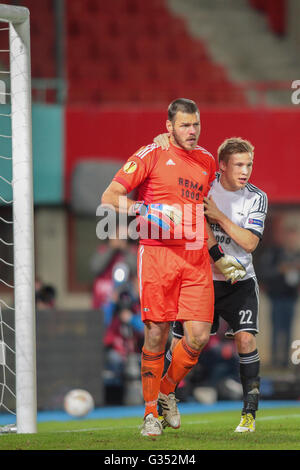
point(266, 418)
point(112, 428)
point(101, 428)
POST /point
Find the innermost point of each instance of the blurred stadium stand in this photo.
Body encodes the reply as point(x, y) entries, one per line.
point(144, 54)
point(134, 51)
point(276, 12)
point(254, 40)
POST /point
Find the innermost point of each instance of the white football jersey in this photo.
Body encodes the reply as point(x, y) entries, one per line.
point(247, 208)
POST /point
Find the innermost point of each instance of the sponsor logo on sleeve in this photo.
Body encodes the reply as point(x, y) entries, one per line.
point(255, 222)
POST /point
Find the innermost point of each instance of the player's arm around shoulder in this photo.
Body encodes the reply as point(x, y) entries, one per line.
point(242, 236)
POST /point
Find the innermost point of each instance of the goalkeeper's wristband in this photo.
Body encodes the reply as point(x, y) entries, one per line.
point(138, 208)
point(216, 252)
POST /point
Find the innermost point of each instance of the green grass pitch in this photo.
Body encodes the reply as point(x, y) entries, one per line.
point(276, 429)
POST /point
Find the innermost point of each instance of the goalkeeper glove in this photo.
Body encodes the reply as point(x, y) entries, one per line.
point(231, 268)
point(162, 215)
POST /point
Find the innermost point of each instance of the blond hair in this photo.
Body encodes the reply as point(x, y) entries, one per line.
point(232, 146)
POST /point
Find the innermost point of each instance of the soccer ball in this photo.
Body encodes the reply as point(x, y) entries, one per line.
point(78, 403)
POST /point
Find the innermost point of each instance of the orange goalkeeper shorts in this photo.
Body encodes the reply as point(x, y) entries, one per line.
point(175, 284)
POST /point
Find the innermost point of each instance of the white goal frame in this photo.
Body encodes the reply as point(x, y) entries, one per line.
point(23, 221)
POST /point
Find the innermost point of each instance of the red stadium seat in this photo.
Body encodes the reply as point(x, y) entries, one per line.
point(259, 4)
point(276, 11)
point(136, 51)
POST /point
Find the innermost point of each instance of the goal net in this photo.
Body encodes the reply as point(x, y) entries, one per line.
point(17, 297)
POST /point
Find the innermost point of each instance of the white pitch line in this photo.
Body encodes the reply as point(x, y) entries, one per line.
point(198, 422)
point(112, 428)
point(266, 418)
point(104, 428)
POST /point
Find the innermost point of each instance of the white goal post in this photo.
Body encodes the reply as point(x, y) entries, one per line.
point(23, 236)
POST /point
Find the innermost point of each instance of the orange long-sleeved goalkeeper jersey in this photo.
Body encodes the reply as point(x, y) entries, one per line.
point(174, 177)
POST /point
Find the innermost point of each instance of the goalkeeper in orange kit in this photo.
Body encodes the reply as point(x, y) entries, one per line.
point(174, 271)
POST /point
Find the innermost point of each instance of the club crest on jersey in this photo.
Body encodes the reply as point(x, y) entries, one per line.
point(129, 167)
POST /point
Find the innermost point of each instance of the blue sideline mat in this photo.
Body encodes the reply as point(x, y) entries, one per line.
point(117, 412)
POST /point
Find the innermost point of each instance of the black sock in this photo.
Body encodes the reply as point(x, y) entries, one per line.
point(168, 359)
point(249, 374)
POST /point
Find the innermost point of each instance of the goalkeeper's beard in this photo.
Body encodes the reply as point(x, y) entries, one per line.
point(187, 144)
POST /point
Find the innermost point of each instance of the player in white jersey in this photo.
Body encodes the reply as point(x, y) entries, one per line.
point(245, 208)
point(236, 211)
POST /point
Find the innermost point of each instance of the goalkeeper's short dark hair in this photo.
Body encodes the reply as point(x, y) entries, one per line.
point(181, 104)
point(232, 146)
